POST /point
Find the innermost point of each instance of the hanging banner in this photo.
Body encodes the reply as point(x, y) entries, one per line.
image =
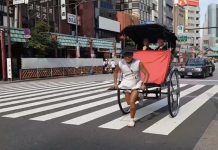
point(63, 10)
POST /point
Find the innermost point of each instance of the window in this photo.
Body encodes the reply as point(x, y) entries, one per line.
point(191, 18)
point(154, 7)
point(135, 5)
point(197, 18)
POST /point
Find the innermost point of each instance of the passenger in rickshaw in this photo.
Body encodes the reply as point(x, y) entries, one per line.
point(161, 44)
point(130, 69)
point(146, 44)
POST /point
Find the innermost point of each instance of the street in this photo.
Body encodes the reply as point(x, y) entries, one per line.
point(79, 113)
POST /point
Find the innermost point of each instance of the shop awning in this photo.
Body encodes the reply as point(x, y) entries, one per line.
point(17, 35)
point(212, 55)
point(69, 40)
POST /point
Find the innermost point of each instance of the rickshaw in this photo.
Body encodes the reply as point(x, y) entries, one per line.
point(162, 73)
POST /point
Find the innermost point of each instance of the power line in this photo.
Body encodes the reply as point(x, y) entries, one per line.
point(200, 28)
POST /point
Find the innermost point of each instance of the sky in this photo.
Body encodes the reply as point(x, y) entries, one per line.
point(203, 8)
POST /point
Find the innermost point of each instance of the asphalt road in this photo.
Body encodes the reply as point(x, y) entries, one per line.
point(80, 114)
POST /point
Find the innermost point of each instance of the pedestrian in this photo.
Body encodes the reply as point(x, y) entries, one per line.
point(130, 69)
point(113, 65)
point(105, 65)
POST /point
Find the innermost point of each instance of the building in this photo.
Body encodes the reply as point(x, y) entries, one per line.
point(192, 21)
point(165, 13)
point(178, 18)
point(141, 9)
point(107, 25)
point(210, 36)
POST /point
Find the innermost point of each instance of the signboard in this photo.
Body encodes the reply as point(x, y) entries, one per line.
point(27, 33)
point(189, 2)
point(182, 38)
point(180, 29)
point(9, 69)
point(16, 2)
point(71, 19)
point(63, 10)
point(40, 11)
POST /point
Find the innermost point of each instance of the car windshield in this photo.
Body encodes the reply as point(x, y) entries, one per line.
point(195, 62)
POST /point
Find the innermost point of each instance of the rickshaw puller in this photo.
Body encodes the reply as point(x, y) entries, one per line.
point(130, 68)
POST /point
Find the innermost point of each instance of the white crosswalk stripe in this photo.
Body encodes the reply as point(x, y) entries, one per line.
point(36, 90)
point(57, 100)
point(54, 91)
point(166, 125)
point(33, 87)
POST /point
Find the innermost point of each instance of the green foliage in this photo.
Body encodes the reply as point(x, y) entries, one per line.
point(41, 39)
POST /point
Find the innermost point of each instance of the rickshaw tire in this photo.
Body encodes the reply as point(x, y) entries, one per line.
point(173, 113)
point(124, 111)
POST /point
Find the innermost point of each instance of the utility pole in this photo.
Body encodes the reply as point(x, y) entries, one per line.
point(59, 16)
point(9, 41)
point(8, 30)
point(77, 43)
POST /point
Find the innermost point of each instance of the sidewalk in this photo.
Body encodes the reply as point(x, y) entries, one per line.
point(84, 78)
point(209, 140)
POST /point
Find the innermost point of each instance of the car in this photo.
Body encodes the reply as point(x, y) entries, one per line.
point(197, 67)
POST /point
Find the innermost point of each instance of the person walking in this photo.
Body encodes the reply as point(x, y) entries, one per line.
point(130, 69)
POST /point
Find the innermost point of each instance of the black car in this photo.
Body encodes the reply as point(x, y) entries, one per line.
point(200, 67)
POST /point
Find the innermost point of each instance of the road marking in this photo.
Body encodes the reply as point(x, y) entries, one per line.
point(121, 122)
point(76, 109)
point(22, 89)
point(55, 91)
point(94, 115)
point(23, 113)
point(52, 96)
point(35, 90)
point(166, 125)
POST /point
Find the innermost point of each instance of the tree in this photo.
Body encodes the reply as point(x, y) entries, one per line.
point(41, 39)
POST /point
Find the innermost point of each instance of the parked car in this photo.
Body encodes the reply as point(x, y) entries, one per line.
point(200, 67)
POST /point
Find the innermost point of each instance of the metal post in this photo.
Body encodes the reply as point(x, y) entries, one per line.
point(59, 17)
point(48, 16)
point(9, 37)
point(8, 29)
point(77, 44)
point(3, 52)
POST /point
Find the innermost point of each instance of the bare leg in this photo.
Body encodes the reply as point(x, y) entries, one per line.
point(127, 97)
point(133, 98)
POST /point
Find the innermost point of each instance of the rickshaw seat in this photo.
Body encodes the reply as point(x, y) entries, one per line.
point(157, 63)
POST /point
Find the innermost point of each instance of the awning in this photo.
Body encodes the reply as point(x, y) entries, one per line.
point(70, 40)
point(212, 55)
point(17, 35)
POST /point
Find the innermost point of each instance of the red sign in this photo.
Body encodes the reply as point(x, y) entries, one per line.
point(189, 2)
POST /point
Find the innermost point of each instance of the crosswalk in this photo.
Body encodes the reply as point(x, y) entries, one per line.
point(79, 103)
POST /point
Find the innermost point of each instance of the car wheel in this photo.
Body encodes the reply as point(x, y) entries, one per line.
point(211, 74)
point(182, 76)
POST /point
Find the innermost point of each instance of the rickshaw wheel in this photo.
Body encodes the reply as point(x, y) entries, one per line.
point(173, 93)
point(124, 108)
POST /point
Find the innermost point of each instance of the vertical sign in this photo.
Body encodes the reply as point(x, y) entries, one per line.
point(63, 10)
point(9, 69)
point(180, 29)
